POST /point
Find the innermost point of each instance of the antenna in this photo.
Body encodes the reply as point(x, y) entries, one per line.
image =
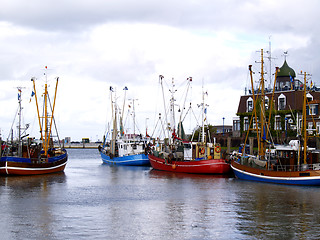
point(269, 57)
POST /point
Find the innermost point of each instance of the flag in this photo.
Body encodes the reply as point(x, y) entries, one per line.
point(111, 89)
point(45, 67)
point(311, 84)
point(291, 79)
point(19, 96)
point(125, 88)
point(205, 111)
point(32, 94)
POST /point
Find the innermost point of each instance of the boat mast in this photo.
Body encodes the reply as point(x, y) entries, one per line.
point(262, 144)
point(305, 120)
point(36, 98)
point(19, 126)
point(203, 107)
point(253, 110)
point(270, 58)
point(172, 113)
point(164, 104)
point(114, 130)
point(121, 118)
point(271, 102)
point(45, 118)
point(134, 119)
point(52, 111)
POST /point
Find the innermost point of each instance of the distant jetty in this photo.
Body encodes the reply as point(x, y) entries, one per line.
point(80, 145)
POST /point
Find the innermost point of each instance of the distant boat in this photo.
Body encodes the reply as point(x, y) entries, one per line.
point(292, 164)
point(27, 156)
point(123, 148)
point(178, 155)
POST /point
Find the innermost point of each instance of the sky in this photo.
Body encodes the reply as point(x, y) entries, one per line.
point(92, 45)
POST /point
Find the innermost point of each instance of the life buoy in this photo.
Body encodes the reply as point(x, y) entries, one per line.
point(201, 150)
point(218, 149)
point(31, 151)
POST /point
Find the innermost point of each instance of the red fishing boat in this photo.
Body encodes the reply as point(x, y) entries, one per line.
point(178, 155)
point(202, 165)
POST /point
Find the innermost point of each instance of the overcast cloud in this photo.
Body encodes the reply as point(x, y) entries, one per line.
point(92, 45)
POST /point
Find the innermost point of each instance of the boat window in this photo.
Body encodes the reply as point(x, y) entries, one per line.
point(187, 145)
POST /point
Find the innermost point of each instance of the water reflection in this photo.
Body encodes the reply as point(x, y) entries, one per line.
point(25, 205)
point(276, 211)
point(92, 200)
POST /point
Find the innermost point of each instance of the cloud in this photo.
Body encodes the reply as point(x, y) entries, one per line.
point(92, 45)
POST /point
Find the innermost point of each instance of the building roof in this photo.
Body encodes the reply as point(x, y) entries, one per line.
point(286, 71)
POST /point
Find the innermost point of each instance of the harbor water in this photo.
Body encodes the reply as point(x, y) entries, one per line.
point(91, 200)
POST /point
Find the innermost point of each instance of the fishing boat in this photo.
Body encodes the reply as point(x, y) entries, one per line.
point(175, 154)
point(294, 163)
point(123, 148)
point(28, 156)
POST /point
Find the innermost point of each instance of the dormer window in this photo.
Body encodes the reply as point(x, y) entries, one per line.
point(249, 105)
point(309, 97)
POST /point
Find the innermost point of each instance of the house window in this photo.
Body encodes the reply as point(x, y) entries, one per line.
point(249, 105)
point(288, 122)
point(281, 102)
point(266, 103)
point(313, 110)
point(236, 125)
point(310, 126)
point(246, 124)
point(277, 123)
point(254, 125)
point(318, 127)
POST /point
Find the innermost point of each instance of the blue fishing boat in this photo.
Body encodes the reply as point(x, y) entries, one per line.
point(130, 153)
point(25, 155)
point(292, 164)
point(123, 148)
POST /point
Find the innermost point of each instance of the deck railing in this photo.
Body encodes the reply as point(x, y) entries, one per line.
point(302, 167)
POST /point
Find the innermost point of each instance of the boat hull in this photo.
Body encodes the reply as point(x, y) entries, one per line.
point(209, 166)
point(21, 166)
point(131, 160)
point(308, 178)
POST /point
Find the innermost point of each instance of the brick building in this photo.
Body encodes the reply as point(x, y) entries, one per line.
point(286, 118)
